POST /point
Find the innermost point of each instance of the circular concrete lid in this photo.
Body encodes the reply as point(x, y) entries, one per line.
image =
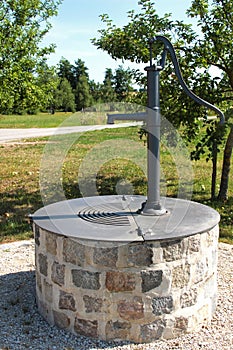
point(116, 219)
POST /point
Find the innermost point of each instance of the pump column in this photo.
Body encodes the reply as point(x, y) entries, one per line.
point(153, 205)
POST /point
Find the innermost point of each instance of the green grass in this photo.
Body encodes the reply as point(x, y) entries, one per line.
point(47, 120)
point(20, 168)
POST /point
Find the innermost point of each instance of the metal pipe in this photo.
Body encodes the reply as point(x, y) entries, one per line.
point(130, 116)
point(153, 205)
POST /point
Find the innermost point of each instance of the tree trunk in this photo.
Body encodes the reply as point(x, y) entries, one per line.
point(214, 170)
point(226, 167)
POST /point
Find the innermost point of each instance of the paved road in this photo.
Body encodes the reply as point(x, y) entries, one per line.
point(7, 135)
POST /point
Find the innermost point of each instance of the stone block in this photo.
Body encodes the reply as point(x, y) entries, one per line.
point(66, 301)
point(151, 279)
point(188, 298)
point(203, 314)
point(37, 234)
point(181, 323)
point(58, 273)
point(86, 279)
point(87, 328)
point(73, 252)
point(61, 320)
point(131, 310)
point(44, 309)
point(105, 256)
point(194, 244)
point(38, 281)
point(168, 332)
point(152, 331)
point(117, 330)
point(180, 276)
point(92, 304)
point(51, 243)
point(214, 259)
point(48, 291)
point(120, 281)
point(162, 305)
point(43, 264)
point(200, 318)
point(157, 253)
point(213, 303)
point(140, 255)
point(200, 271)
point(212, 236)
point(173, 250)
point(210, 286)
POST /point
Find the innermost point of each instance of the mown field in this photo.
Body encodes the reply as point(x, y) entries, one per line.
point(47, 120)
point(117, 154)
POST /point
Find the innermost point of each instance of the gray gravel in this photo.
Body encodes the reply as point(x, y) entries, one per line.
point(21, 327)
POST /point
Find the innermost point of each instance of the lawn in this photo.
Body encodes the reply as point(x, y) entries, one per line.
point(47, 120)
point(117, 154)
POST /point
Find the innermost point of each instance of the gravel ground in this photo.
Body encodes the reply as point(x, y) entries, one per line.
point(21, 327)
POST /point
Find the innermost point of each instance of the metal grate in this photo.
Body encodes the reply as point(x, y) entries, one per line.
point(104, 216)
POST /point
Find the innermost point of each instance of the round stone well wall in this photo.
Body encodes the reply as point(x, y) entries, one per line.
point(139, 291)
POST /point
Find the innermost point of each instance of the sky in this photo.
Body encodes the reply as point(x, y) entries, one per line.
point(78, 21)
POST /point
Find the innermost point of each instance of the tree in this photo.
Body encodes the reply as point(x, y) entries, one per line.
point(77, 75)
point(83, 98)
point(197, 52)
point(80, 69)
point(108, 91)
point(122, 83)
point(216, 49)
point(226, 164)
point(23, 26)
point(66, 70)
point(96, 92)
point(65, 97)
point(108, 76)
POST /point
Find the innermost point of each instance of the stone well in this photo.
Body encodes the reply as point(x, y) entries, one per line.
point(141, 290)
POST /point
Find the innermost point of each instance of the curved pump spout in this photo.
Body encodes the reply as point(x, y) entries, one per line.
point(169, 47)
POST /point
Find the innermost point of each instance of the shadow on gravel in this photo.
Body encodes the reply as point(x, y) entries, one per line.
point(22, 327)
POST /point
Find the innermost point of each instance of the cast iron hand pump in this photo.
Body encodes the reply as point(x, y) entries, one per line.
point(152, 118)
